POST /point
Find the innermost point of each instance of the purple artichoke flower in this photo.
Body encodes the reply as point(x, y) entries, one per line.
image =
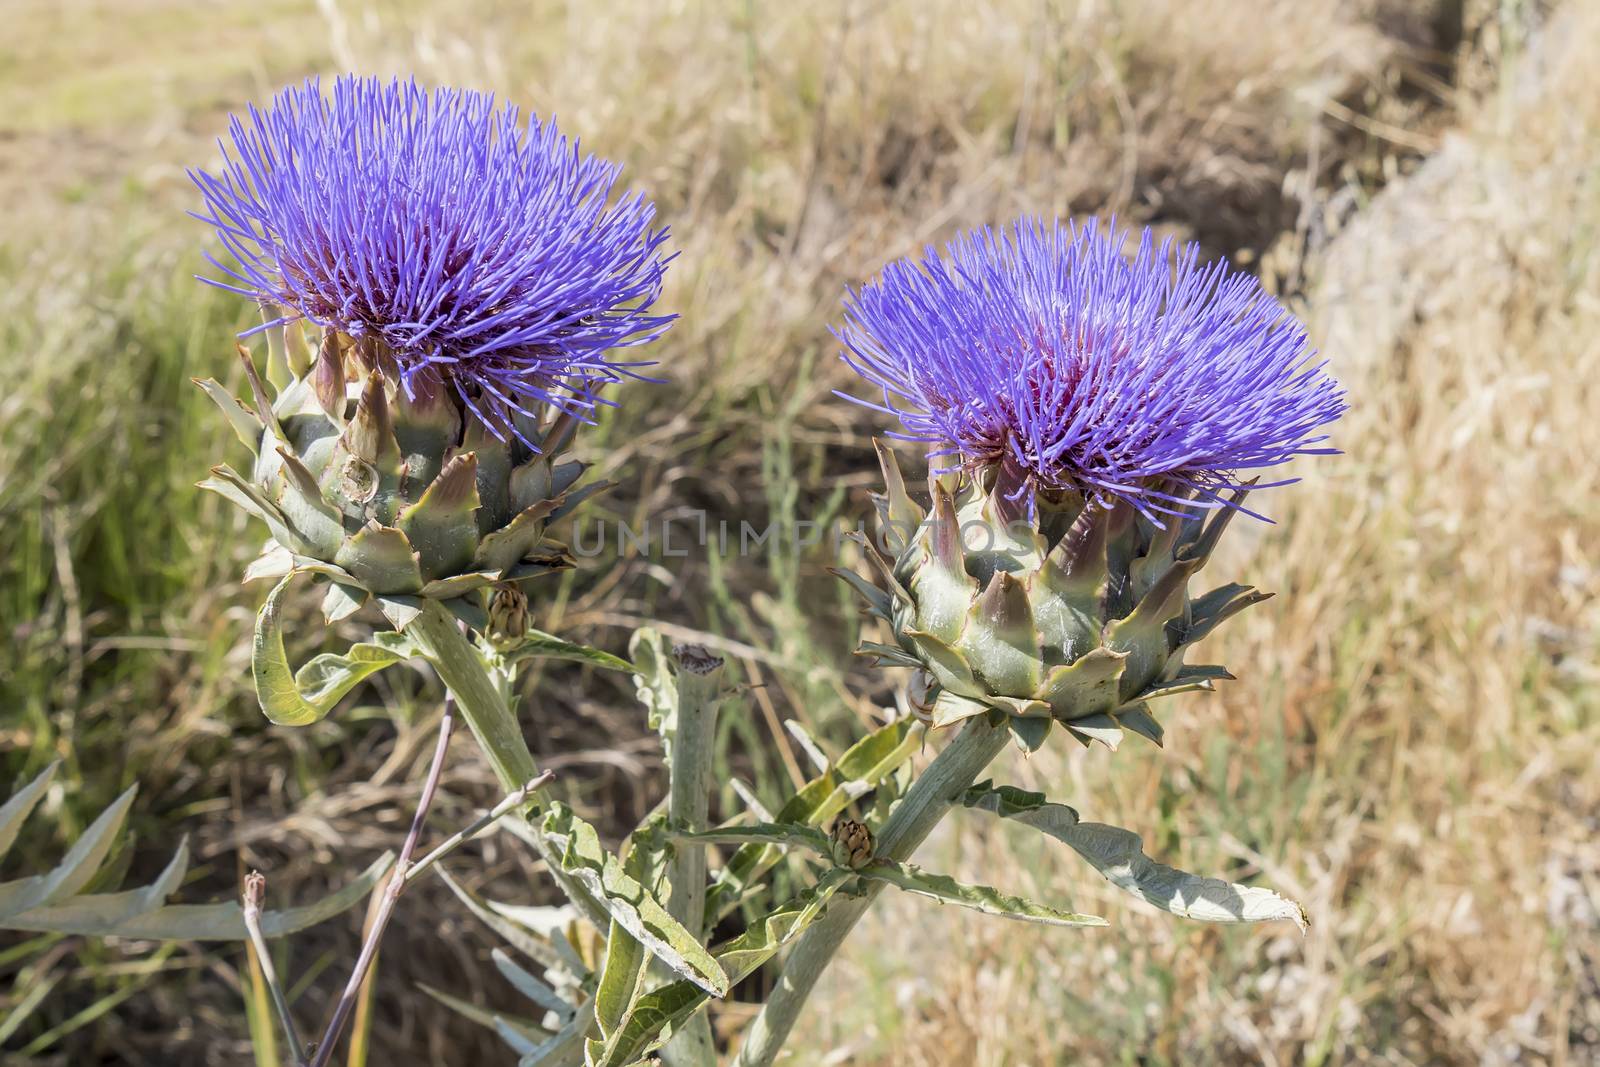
point(486, 254)
point(1153, 380)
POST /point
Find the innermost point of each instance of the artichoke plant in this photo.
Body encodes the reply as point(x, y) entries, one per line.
point(1089, 414)
point(467, 279)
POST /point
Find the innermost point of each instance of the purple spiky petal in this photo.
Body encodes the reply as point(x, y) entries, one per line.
point(485, 252)
point(1155, 379)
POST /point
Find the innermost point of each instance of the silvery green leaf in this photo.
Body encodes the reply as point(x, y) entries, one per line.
point(857, 772)
point(74, 871)
point(536, 946)
point(982, 898)
point(1119, 855)
point(878, 602)
point(784, 835)
point(530, 985)
point(522, 1035)
point(190, 922)
point(22, 802)
point(228, 484)
point(628, 902)
point(537, 644)
point(101, 913)
point(888, 655)
point(300, 699)
point(659, 1012)
point(54, 902)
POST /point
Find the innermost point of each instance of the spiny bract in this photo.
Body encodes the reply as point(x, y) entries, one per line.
point(1077, 614)
point(395, 495)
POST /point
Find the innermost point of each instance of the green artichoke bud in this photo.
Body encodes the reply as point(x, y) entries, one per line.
point(390, 495)
point(1062, 613)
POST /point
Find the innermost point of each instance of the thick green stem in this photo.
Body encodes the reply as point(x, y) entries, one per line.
point(700, 678)
point(908, 825)
point(486, 710)
point(482, 703)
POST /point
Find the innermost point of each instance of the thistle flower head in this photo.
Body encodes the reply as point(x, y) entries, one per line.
point(457, 244)
point(1153, 380)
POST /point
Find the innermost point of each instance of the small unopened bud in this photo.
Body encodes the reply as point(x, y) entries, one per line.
point(508, 617)
point(852, 844)
point(255, 891)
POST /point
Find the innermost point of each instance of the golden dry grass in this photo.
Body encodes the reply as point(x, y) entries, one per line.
point(1410, 749)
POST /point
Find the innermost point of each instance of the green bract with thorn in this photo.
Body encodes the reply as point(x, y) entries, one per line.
point(1079, 615)
point(389, 495)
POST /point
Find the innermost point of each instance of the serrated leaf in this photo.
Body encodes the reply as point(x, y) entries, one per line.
point(300, 699)
point(857, 772)
point(536, 644)
point(987, 899)
point(1119, 855)
point(655, 685)
point(54, 902)
point(629, 903)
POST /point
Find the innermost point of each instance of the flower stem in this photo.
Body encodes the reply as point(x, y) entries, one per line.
point(688, 808)
point(488, 713)
point(439, 637)
point(908, 825)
